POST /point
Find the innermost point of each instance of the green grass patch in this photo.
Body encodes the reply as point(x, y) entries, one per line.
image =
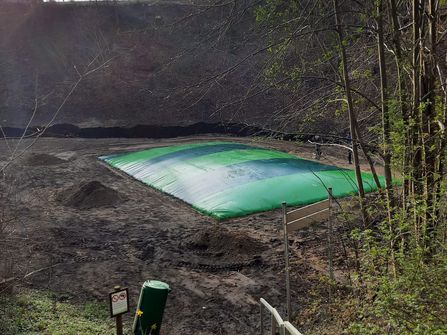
point(37, 312)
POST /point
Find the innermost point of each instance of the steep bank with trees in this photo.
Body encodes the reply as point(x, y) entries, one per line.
point(382, 61)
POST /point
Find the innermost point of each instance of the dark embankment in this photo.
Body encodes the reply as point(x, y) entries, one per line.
point(165, 63)
point(151, 131)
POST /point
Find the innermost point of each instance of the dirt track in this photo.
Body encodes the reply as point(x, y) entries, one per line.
point(217, 271)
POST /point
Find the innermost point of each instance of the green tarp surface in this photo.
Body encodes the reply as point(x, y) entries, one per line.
point(226, 179)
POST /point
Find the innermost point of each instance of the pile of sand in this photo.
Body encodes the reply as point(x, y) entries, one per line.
point(90, 194)
point(224, 243)
point(41, 160)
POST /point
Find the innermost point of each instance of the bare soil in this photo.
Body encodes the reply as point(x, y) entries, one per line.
point(91, 194)
point(217, 270)
point(40, 159)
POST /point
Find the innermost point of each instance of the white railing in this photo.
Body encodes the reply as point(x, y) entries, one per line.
point(277, 323)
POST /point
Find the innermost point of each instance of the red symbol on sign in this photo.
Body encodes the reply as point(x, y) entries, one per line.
point(115, 298)
point(122, 296)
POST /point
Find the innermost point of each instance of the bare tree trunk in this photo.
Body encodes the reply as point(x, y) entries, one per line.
point(442, 146)
point(385, 129)
point(430, 126)
point(415, 172)
point(403, 97)
point(384, 104)
point(352, 118)
point(416, 159)
point(426, 131)
point(368, 157)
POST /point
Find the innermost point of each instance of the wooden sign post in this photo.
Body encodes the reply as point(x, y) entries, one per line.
point(302, 218)
point(330, 232)
point(286, 256)
point(119, 304)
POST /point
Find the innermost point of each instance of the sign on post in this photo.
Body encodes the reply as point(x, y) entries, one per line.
point(119, 302)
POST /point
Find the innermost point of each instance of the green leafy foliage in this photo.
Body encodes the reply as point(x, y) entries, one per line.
point(38, 312)
point(414, 303)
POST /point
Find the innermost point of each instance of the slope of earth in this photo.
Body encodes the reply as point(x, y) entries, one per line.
point(161, 63)
point(217, 271)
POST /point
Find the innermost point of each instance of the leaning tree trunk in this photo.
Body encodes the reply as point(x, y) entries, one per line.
point(352, 118)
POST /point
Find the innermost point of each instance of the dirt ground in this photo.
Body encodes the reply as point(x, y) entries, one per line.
point(217, 270)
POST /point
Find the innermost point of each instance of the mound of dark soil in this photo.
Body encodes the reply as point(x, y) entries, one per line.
point(223, 243)
point(90, 194)
point(42, 160)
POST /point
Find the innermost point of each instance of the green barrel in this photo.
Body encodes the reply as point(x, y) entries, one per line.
point(150, 308)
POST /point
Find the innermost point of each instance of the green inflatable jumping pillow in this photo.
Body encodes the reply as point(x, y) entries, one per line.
point(226, 179)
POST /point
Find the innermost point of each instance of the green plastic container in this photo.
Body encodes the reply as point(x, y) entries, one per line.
point(150, 308)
